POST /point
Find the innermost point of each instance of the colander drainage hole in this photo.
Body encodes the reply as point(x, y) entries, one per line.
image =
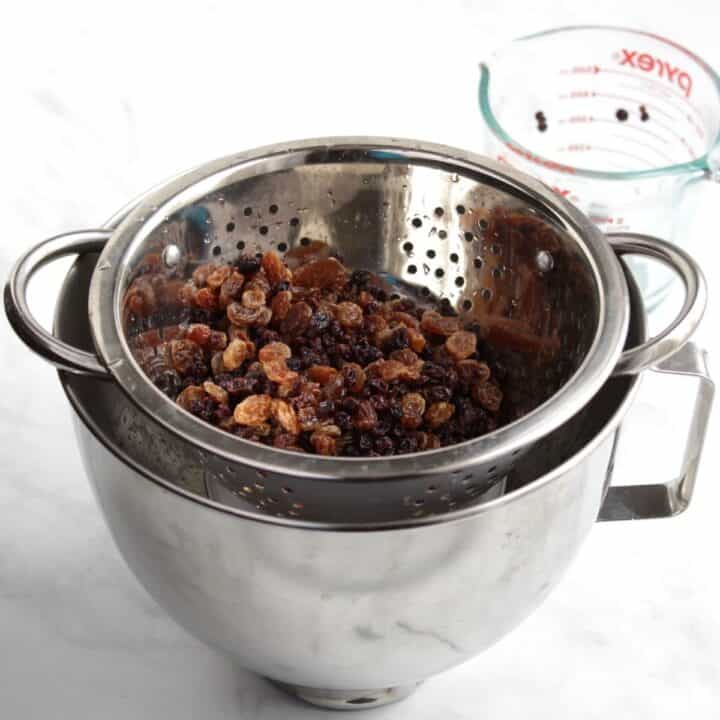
point(469, 236)
point(439, 272)
point(287, 490)
point(230, 226)
point(454, 257)
point(467, 304)
point(460, 209)
point(282, 247)
point(305, 241)
point(240, 245)
point(247, 211)
point(407, 247)
point(442, 234)
point(412, 269)
point(439, 211)
point(216, 250)
point(263, 230)
point(294, 221)
point(416, 222)
point(273, 209)
point(459, 281)
point(477, 262)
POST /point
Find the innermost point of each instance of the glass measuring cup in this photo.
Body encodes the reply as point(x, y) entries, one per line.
point(618, 121)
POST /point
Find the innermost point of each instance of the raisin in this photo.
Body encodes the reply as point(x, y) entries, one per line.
point(297, 320)
point(253, 410)
point(218, 394)
point(199, 334)
point(319, 322)
point(274, 351)
point(384, 445)
point(461, 344)
point(321, 373)
point(365, 416)
point(235, 354)
point(247, 264)
point(201, 273)
point(470, 370)
point(435, 324)
point(253, 298)
point(218, 340)
point(218, 276)
point(278, 371)
point(487, 395)
point(280, 305)
point(285, 416)
point(413, 409)
point(186, 357)
point(205, 299)
point(231, 289)
point(190, 395)
point(438, 414)
point(323, 443)
point(354, 377)
point(275, 270)
point(325, 273)
point(350, 315)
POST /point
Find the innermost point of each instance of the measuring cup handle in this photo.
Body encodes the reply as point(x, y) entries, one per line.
point(670, 340)
point(38, 339)
point(665, 499)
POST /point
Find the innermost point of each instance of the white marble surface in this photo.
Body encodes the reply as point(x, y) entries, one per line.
point(100, 102)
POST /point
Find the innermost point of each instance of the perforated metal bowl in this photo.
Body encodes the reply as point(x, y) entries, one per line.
point(501, 248)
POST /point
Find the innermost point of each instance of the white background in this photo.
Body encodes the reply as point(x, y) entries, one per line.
point(102, 101)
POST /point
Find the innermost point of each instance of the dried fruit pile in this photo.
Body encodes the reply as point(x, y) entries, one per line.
point(315, 359)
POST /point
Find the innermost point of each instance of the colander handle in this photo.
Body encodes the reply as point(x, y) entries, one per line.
point(640, 502)
point(39, 340)
point(675, 335)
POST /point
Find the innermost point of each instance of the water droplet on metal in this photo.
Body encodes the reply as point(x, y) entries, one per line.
point(454, 177)
point(171, 256)
point(103, 266)
point(544, 261)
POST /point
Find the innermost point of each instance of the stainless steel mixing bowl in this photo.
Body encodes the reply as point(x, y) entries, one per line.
point(543, 283)
point(354, 616)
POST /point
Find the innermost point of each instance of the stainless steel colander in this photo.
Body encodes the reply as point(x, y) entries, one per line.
point(543, 283)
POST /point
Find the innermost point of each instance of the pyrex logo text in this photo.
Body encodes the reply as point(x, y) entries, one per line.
point(649, 64)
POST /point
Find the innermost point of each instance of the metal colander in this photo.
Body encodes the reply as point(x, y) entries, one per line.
point(544, 285)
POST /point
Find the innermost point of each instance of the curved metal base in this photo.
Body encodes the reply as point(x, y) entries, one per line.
point(347, 699)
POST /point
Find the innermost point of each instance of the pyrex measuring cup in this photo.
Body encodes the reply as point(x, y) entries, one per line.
point(618, 121)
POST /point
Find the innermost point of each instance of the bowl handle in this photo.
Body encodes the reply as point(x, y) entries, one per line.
point(39, 340)
point(673, 337)
point(639, 502)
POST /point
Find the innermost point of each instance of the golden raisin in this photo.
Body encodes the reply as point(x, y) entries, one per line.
point(191, 394)
point(218, 276)
point(241, 315)
point(406, 319)
point(216, 364)
point(280, 305)
point(199, 334)
point(259, 282)
point(321, 373)
point(349, 315)
point(274, 351)
point(253, 298)
point(461, 344)
point(205, 298)
point(231, 289)
point(413, 408)
point(253, 410)
point(235, 354)
point(438, 414)
point(323, 444)
point(436, 324)
point(469, 370)
point(218, 394)
point(416, 340)
point(278, 371)
point(285, 416)
point(274, 268)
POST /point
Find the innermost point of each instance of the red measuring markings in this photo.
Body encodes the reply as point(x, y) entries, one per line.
point(606, 220)
point(563, 192)
point(649, 64)
point(544, 162)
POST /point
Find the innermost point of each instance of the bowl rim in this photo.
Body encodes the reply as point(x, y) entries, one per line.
point(142, 216)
